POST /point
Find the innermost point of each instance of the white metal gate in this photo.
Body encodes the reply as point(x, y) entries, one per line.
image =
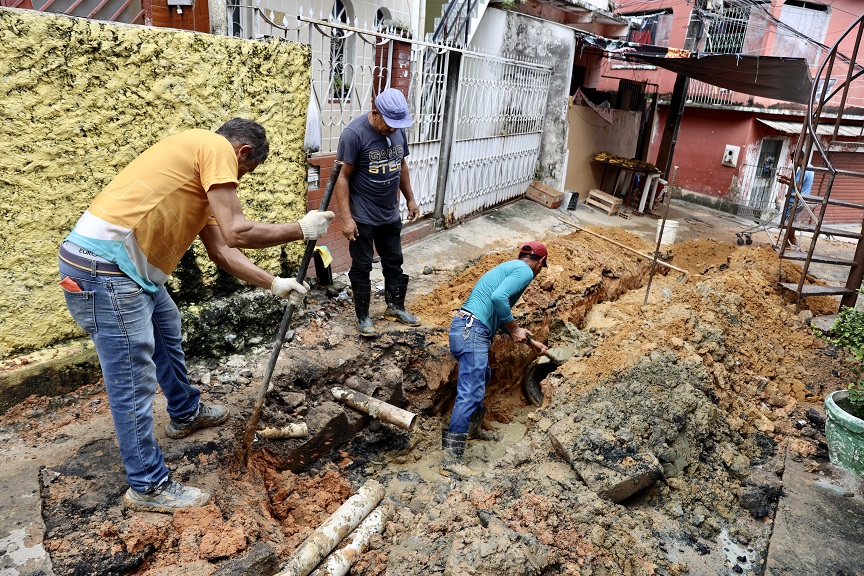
point(498, 132)
point(498, 126)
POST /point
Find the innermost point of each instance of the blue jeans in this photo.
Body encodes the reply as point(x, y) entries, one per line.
point(138, 340)
point(470, 340)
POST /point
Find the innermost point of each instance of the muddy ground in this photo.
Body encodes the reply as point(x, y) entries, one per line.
point(709, 384)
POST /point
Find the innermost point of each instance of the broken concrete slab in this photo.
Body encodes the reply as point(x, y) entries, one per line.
point(259, 560)
point(612, 471)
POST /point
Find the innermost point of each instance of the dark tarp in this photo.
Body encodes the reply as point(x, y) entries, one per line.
point(767, 76)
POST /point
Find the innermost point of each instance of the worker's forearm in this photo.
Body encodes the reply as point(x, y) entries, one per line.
point(342, 198)
point(511, 326)
point(235, 262)
point(405, 184)
point(250, 234)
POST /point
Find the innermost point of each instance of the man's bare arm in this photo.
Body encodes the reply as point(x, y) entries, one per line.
point(343, 193)
point(237, 231)
point(232, 260)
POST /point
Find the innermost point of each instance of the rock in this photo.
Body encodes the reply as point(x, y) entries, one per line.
point(619, 476)
point(259, 559)
point(293, 399)
point(760, 492)
point(676, 483)
point(816, 418)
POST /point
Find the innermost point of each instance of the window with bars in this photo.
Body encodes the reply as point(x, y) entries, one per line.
point(804, 26)
point(650, 28)
point(726, 31)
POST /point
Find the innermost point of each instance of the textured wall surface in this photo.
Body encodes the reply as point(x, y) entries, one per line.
point(83, 98)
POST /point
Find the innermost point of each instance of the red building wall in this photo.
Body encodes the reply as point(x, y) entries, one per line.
point(700, 147)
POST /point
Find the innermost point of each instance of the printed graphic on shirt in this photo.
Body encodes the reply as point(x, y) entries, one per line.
point(387, 161)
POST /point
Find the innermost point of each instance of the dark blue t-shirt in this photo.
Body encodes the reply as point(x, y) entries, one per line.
point(377, 162)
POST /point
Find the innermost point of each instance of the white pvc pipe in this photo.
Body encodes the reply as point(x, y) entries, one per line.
point(324, 539)
point(290, 431)
point(340, 562)
point(376, 408)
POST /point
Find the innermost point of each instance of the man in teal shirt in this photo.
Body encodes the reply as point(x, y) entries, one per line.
point(486, 310)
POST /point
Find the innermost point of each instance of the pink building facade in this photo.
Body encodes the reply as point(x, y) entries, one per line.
point(731, 145)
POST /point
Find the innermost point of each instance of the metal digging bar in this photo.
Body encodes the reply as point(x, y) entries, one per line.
point(666, 201)
point(249, 435)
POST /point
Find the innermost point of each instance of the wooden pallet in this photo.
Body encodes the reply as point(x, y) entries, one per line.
point(610, 204)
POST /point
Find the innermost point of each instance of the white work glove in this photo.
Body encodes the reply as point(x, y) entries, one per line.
point(315, 224)
point(291, 289)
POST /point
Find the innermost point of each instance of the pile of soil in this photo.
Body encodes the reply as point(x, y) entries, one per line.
point(713, 378)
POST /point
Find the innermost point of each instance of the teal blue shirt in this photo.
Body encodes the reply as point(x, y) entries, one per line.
point(497, 291)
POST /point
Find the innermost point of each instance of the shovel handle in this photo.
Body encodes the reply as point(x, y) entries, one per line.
point(249, 434)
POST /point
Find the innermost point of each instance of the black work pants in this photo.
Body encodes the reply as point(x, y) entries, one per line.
point(387, 240)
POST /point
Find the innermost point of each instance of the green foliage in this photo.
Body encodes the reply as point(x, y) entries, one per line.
point(847, 333)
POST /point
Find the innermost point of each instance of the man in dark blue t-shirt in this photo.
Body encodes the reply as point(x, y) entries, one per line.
point(373, 148)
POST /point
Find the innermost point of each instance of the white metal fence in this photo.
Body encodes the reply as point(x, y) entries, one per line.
point(498, 132)
point(702, 93)
point(501, 103)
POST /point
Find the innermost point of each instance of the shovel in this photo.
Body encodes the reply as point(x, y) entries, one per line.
point(557, 355)
point(542, 367)
point(249, 434)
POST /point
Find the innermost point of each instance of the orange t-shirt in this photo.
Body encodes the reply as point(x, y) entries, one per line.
point(151, 212)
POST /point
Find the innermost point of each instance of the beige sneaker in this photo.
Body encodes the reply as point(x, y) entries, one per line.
point(167, 498)
point(209, 415)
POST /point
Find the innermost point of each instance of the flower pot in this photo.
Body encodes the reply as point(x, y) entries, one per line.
point(845, 435)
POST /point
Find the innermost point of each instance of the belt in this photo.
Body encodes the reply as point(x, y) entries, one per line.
point(464, 314)
point(92, 266)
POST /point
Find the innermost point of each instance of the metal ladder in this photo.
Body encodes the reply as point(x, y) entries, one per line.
point(817, 117)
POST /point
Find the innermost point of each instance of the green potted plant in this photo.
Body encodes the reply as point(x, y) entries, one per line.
point(844, 425)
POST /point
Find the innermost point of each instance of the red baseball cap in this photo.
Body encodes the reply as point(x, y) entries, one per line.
point(536, 248)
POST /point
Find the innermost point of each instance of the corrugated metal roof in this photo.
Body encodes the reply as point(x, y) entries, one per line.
point(823, 129)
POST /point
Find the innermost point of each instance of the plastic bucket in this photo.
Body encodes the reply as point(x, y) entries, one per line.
point(668, 232)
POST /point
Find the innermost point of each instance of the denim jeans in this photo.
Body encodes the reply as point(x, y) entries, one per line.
point(138, 340)
point(387, 240)
point(470, 340)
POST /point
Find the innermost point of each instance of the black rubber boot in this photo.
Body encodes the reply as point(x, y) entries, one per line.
point(394, 295)
point(362, 297)
point(454, 448)
point(475, 428)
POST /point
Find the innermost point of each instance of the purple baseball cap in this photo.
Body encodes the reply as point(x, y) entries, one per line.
point(393, 108)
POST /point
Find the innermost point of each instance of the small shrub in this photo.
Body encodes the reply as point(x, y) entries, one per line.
point(847, 333)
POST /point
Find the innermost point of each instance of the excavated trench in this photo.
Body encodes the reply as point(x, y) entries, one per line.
point(413, 368)
point(693, 393)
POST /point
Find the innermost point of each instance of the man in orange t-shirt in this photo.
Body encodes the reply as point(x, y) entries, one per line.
point(113, 268)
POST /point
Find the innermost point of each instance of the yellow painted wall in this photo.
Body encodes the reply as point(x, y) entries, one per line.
point(81, 98)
